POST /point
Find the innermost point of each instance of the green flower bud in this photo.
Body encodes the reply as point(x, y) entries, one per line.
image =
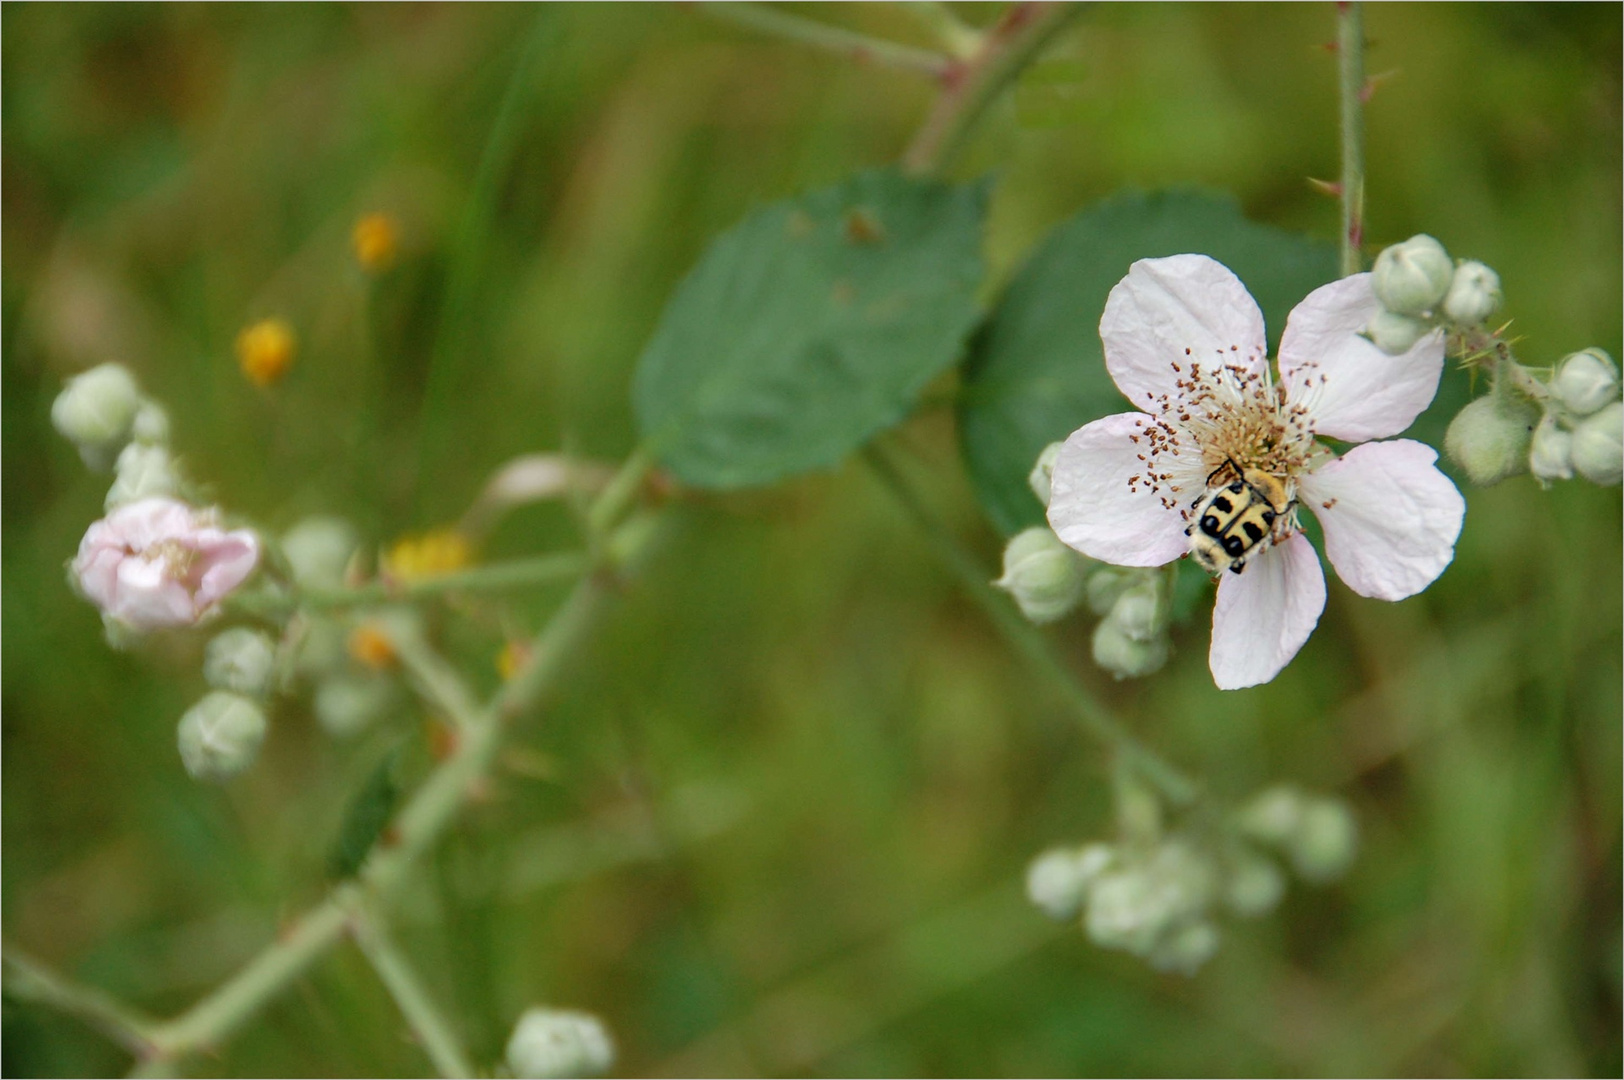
point(240, 660)
point(1107, 584)
point(151, 425)
point(1550, 457)
point(1489, 438)
point(1139, 613)
point(1394, 333)
point(1474, 294)
point(1586, 381)
point(1185, 948)
point(1043, 575)
point(1059, 879)
point(1598, 445)
point(220, 736)
point(95, 410)
point(1326, 840)
point(1134, 906)
point(1254, 885)
point(1042, 475)
point(1410, 278)
point(142, 472)
point(1124, 657)
point(347, 705)
point(1272, 816)
point(548, 1043)
point(319, 549)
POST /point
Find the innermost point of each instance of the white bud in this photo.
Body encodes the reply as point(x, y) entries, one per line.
point(1042, 475)
point(1043, 575)
point(318, 550)
point(1586, 381)
point(1272, 815)
point(1474, 294)
point(220, 736)
point(548, 1043)
point(1410, 278)
point(1059, 879)
point(1394, 333)
point(347, 705)
point(1326, 840)
point(1550, 456)
point(241, 660)
point(1107, 584)
point(1185, 948)
point(1598, 445)
point(1254, 885)
point(1124, 657)
point(1134, 906)
point(142, 472)
point(1489, 438)
point(1139, 613)
point(95, 410)
point(151, 424)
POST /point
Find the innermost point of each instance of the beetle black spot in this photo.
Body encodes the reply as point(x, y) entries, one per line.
point(1253, 531)
point(1223, 505)
point(1233, 545)
point(1209, 525)
point(1236, 487)
point(1268, 517)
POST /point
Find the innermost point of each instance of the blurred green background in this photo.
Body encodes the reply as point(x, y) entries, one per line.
point(777, 821)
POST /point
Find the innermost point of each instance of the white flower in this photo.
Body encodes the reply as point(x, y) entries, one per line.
point(1185, 342)
point(159, 562)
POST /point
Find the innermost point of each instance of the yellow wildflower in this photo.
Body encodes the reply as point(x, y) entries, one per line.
point(265, 351)
point(370, 646)
point(376, 239)
point(437, 552)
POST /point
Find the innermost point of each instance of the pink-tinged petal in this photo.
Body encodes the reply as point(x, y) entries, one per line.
point(146, 522)
point(148, 597)
point(229, 558)
point(1390, 517)
point(96, 570)
point(1265, 613)
point(1101, 502)
point(1352, 389)
point(1179, 310)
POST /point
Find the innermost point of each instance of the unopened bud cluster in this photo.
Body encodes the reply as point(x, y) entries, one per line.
point(552, 1043)
point(103, 413)
point(1161, 897)
point(1049, 580)
point(1420, 288)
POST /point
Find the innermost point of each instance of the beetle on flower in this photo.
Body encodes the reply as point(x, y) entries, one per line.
point(1221, 458)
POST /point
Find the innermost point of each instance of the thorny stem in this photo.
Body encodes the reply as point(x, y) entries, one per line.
point(434, 806)
point(848, 43)
point(958, 39)
point(1350, 59)
point(1033, 646)
point(29, 980)
point(433, 1031)
point(1005, 50)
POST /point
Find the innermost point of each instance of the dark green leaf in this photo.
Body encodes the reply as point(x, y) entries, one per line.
point(365, 818)
point(809, 327)
point(1036, 373)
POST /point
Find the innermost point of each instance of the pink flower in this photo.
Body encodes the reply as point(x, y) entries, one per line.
point(158, 562)
point(1184, 341)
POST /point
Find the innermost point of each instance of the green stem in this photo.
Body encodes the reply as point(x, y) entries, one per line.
point(618, 495)
point(435, 680)
point(848, 43)
point(494, 577)
point(1350, 56)
point(958, 39)
point(433, 1031)
point(1005, 50)
point(1027, 640)
point(29, 980)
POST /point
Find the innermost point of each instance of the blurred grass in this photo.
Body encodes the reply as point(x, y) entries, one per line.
point(785, 803)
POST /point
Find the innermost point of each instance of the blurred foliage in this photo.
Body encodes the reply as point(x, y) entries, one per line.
point(776, 822)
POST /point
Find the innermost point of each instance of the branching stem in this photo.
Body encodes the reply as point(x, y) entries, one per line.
point(848, 43)
point(432, 1029)
point(29, 980)
point(1350, 59)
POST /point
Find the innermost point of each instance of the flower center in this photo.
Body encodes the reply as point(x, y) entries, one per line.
point(1237, 419)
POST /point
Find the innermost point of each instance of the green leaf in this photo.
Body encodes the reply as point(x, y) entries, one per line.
point(1036, 373)
point(809, 327)
point(365, 819)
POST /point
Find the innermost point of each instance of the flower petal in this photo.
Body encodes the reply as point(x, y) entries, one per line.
point(1390, 517)
point(1101, 503)
point(1352, 389)
point(1178, 310)
point(1265, 613)
point(229, 557)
